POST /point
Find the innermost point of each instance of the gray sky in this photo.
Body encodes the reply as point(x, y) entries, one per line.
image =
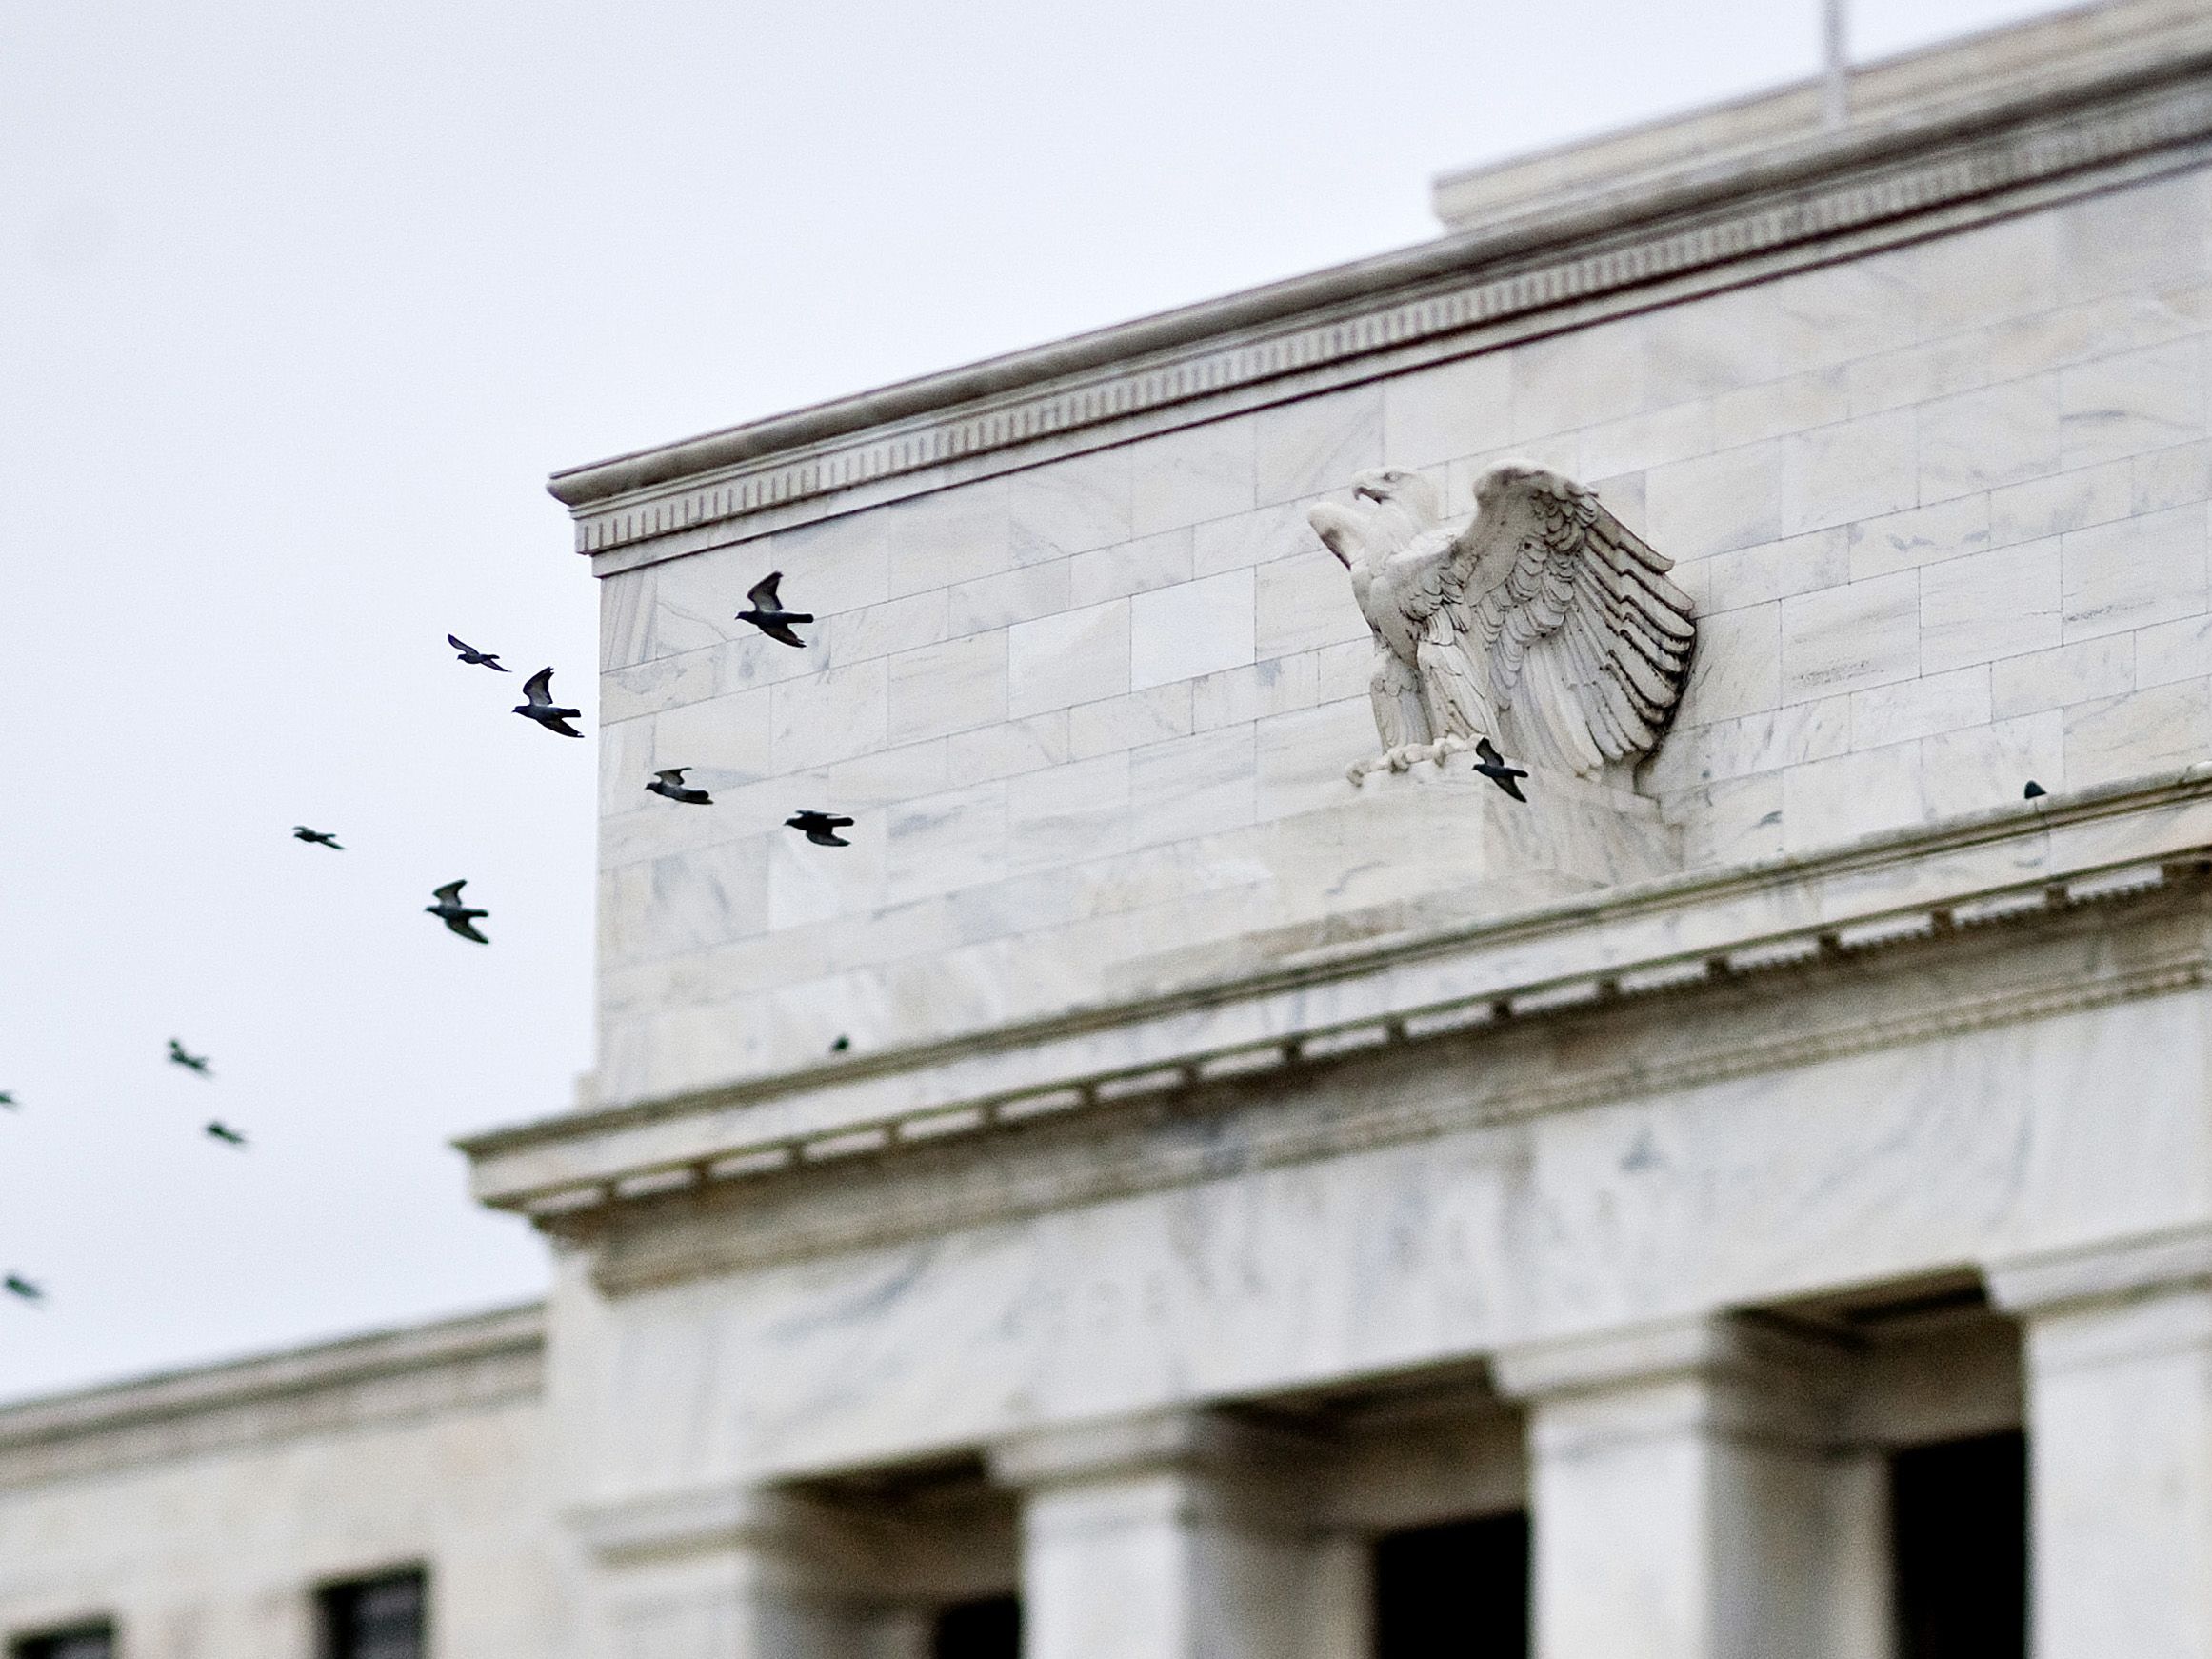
point(298, 306)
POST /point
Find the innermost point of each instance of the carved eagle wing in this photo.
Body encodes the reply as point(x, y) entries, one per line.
point(1564, 619)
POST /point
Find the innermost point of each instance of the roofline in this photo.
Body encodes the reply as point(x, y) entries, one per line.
point(1694, 183)
point(494, 1333)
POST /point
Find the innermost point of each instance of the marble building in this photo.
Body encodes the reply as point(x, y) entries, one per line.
point(1753, 1199)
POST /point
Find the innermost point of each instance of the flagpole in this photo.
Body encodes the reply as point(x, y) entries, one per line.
point(1836, 66)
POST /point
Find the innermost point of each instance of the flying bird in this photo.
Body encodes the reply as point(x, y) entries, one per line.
point(1543, 624)
point(2033, 791)
point(671, 782)
point(456, 915)
point(8, 1101)
point(842, 1043)
point(819, 826)
point(19, 1286)
point(320, 837)
point(541, 707)
point(471, 654)
point(1492, 766)
point(216, 1131)
point(768, 612)
point(190, 1062)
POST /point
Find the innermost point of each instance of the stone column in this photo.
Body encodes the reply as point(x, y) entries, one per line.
point(1169, 1536)
point(1688, 1497)
point(730, 1575)
point(2119, 1358)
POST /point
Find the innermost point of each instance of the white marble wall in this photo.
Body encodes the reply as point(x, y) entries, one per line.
point(1943, 511)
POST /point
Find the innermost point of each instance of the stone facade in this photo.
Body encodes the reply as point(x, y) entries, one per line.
point(199, 1512)
point(1228, 1166)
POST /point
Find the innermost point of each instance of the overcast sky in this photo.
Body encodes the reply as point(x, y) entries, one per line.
point(298, 306)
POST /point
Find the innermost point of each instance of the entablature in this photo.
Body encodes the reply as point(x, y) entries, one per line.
point(2035, 864)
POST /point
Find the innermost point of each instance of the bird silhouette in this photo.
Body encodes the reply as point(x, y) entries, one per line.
point(216, 1131)
point(541, 707)
point(1492, 766)
point(8, 1101)
point(190, 1062)
point(671, 782)
point(471, 654)
point(19, 1286)
point(842, 1043)
point(2033, 791)
point(766, 611)
point(819, 826)
point(456, 915)
point(320, 837)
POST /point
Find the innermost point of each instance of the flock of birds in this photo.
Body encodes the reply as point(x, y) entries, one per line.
point(764, 610)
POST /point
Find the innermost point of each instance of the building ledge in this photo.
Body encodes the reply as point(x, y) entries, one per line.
point(289, 1377)
point(1674, 934)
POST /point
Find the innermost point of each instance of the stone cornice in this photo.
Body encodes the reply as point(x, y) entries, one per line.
point(481, 1359)
point(1753, 1021)
point(2102, 1271)
point(1695, 228)
point(1677, 934)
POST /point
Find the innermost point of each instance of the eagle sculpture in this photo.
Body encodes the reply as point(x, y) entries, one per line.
point(1545, 623)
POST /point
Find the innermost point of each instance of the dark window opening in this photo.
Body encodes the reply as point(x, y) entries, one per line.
point(1455, 1591)
point(375, 1618)
point(79, 1642)
point(1959, 1540)
point(991, 1628)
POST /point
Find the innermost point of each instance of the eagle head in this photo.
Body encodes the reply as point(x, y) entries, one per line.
point(1390, 507)
point(1399, 492)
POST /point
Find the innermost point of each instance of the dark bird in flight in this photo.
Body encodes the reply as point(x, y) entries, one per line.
point(820, 827)
point(229, 1136)
point(842, 1043)
point(19, 1286)
point(768, 612)
point(190, 1062)
point(1492, 766)
point(320, 837)
point(471, 654)
point(2033, 791)
point(671, 782)
point(541, 707)
point(8, 1101)
point(456, 915)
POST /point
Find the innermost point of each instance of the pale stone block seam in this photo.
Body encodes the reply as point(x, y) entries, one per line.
point(867, 916)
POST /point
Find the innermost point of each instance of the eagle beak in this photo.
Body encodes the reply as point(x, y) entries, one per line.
point(1367, 490)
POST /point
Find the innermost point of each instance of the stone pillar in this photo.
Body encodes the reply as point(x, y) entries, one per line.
point(1688, 1498)
point(2119, 1358)
point(730, 1574)
point(1169, 1536)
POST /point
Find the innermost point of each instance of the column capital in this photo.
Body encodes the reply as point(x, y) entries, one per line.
point(1704, 1346)
point(703, 1519)
point(1150, 1442)
point(2043, 1281)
